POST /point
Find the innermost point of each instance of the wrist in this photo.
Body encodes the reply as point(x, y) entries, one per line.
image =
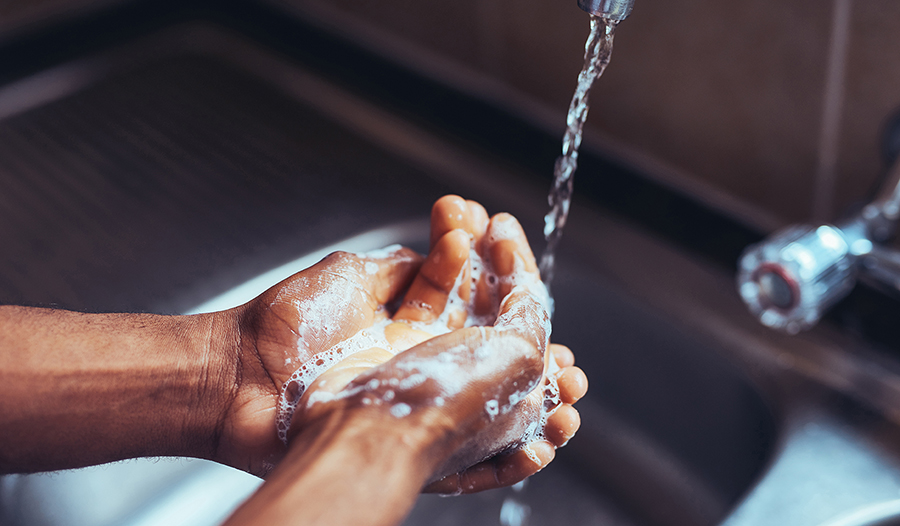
point(420, 437)
point(345, 466)
point(211, 345)
point(375, 425)
point(94, 388)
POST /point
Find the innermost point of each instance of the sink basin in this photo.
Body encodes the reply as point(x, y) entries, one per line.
point(195, 164)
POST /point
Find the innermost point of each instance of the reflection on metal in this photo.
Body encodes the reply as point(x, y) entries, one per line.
point(141, 492)
point(881, 514)
point(824, 470)
point(617, 10)
point(790, 279)
point(403, 233)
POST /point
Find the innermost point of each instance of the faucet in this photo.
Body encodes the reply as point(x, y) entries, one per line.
point(617, 10)
point(791, 278)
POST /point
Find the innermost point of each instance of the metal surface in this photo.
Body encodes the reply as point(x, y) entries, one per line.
point(818, 266)
point(176, 178)
point(185, 165)
point(790, 280)
point(158, 176)
point(609, 9)
point(882, 213)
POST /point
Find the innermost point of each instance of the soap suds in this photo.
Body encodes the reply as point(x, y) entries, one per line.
point(381, 253)
point(492, 408)
point(400, 410)
point(446, 368)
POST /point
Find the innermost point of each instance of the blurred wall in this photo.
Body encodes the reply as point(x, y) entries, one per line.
point(19, 16)
point(771, 110)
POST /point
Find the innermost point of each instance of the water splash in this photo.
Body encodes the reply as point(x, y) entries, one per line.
point(514, 512)
point(597, 52)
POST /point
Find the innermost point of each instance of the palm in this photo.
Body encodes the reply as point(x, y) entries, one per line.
point(447, 294)
point(286, 326)
point(315, 310)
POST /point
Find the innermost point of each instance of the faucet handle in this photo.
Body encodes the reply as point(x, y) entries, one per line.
point(790, 279)
point(883, 265)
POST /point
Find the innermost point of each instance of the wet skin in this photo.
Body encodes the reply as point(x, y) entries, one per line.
point(271, 323)
point(350, 459)
point(82, 389)
point(504, 253)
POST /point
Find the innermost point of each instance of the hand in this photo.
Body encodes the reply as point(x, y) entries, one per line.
point(493, 406)
point(287, 326)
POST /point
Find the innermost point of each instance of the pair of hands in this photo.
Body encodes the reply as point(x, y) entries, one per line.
point(506, 358)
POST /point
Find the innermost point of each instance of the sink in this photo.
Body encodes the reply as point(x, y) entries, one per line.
point(192, 168)
point(671, 434)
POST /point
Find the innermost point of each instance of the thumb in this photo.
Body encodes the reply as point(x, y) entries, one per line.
point(388, 272)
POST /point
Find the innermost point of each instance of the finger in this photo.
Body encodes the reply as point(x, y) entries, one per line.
point(522, 314)
point(452, 212)
point(330, 301)
point(497, 472)
point(387, 275)
point(341, 294)
point(525, 462)
point(342, 373)
point(403, 337)
point(563, 355)
point(562, 425)
point(573, 384)
point(506, 253)
point(436, 280)
point(509, 251)
point(449, 213)
point(479, 221)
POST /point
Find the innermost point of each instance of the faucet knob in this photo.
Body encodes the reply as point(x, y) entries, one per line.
point(790, 279)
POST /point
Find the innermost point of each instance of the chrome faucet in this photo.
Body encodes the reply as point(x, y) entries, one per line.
point(791, 278)
point(617, 10)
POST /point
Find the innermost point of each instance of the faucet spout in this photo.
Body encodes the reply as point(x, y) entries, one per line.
point(882, 215)
point(791, 278)
point(617, 10)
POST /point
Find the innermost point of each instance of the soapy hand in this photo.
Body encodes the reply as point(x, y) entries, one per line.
point(374, 407)
point(290, 324)
point(322, 340)
point(482, 385)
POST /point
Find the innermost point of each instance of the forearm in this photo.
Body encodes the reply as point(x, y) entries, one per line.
point(364, 469)
point(80, 389)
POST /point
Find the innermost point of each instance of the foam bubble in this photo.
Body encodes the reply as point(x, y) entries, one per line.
point(295, 387)
point(411, 381)
point(448, 366)
point(492, 408)
point(400, 410)
point(532, 456)
point(381, 253)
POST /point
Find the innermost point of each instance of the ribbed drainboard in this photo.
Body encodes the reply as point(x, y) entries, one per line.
point(167, 183)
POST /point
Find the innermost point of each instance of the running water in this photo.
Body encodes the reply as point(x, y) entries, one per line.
point(597, 52)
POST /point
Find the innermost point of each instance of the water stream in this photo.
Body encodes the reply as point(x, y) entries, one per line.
point(597, 52)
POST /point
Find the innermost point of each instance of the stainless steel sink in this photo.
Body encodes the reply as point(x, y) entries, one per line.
point(672, 433)
point(169, 171)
